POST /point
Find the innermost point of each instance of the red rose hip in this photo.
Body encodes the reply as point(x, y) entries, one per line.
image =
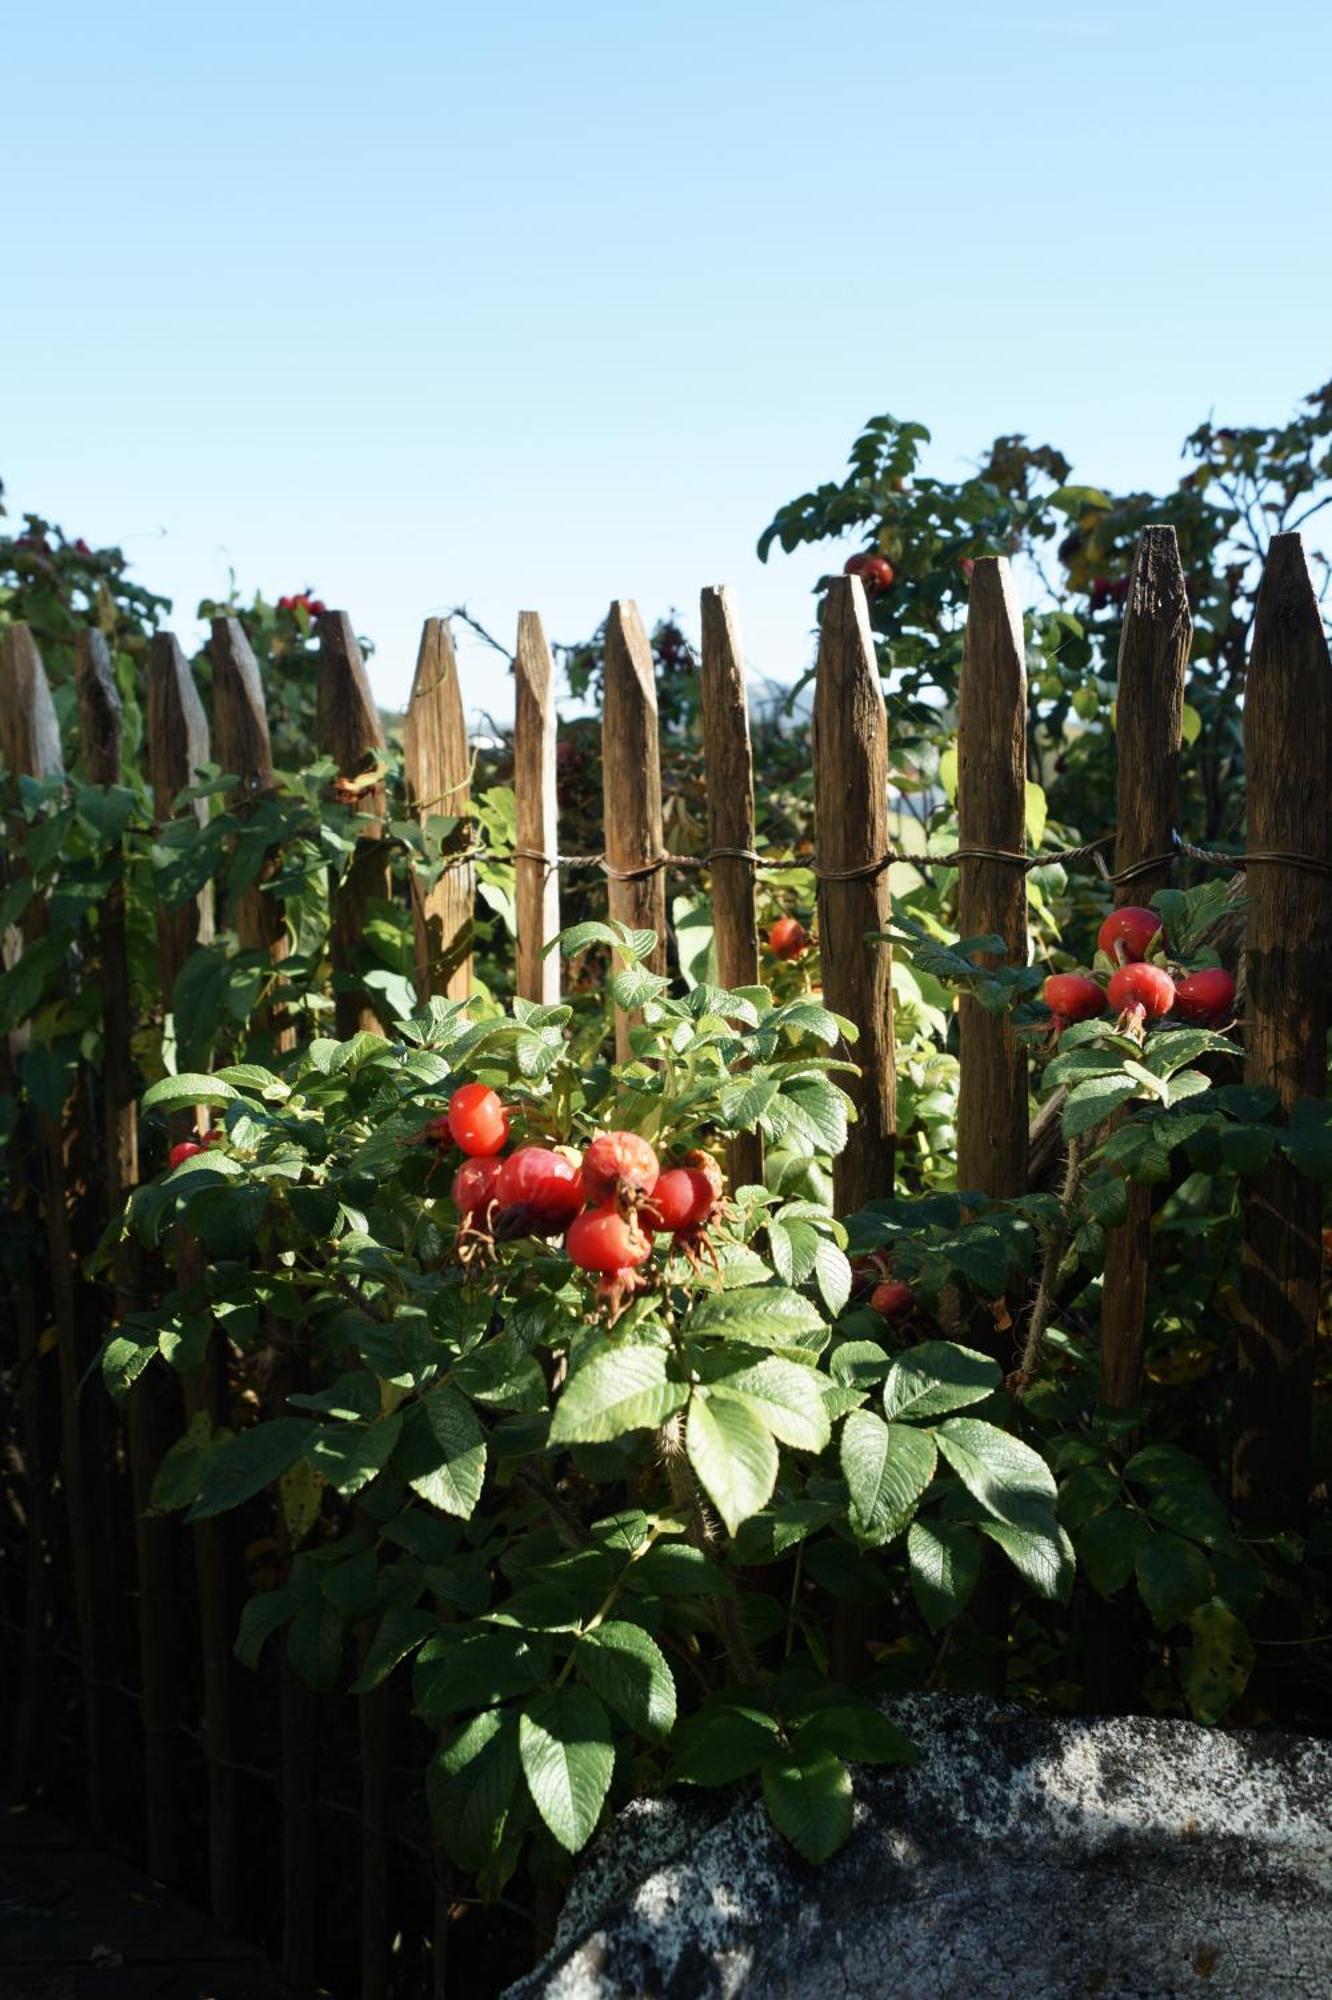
point(186, 1150)
point(478, 1121)
point(619, 1167)
point(1206, 999)
point(601, 1239)
point(788, 938)
point(539, 1191)
point(1142, 991)
point(1128, 933)
point(875, 572)
point(1072, 996)
point(474, 1186)
point(892, 1298)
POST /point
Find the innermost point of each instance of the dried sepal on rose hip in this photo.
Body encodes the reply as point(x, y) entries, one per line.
point(685, 1202)
point(611, 1247)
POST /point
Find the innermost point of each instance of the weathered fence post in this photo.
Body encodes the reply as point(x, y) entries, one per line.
point(348, 729)
point(728, 768)
point(100, 726)
point(240, 736)
point(631, 791)
point(1288, 957)
point(992, 893)
point(851, 838)
point(537, 884)
point(178, 748)
point(1149, 715)
point(30, 741)
point(439, 779)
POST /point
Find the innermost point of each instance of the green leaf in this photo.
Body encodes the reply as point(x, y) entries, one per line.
point(759, 1316)
point(443, 1452)
point(1093, 1102)
point(180, 1474)
point(1214, 1671)
point(1042, 1557)
point(473, 1666)
point(124, 1360)
point(1108, 1549)
point(399, 1632)
point(733, 1454)
point(887, 1468)
point(621, 1389)
point(473, 1786)
point(723, 1743)
point(833, 1275)
point(945, 1563)
point(938, 1376)
point(171, 1093)
point(349, 1455)
point(810, 1801)
point(627, 1668)
point(568, 1760)
point(675, 1569)
point(1010, 1480)
point(249, 1462)
point(854, 1730)
point(1174, 1578)
point(261, 1616)
point(785, 1397)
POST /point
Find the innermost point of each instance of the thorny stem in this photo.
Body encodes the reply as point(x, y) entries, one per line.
point(1055, 1245)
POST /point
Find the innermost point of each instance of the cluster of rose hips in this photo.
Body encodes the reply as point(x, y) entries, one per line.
point(875, 572)
point(313, 607)
point(187, 1148)
point(1141, 988)
point(608, 1202)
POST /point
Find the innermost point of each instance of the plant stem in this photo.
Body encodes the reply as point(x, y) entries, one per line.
point(1055, 1246)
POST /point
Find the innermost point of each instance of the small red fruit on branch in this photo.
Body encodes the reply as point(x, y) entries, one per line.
point(619, 1168)
point(687, 1197)
point(875, 572)
point(1207, 999)
point(1128, 934)
point(186, 1150)
point(1072, 996)
point(478, 1121)
point(601, 1239)
point(1141, 993)
point(474, 1186)
point(788, 938)
point(539, 1191)
point(893, 1299)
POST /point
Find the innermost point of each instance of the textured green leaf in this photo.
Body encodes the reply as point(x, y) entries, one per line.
point(733, 1454)
point(1042, 1557)
point(171, 1093)
point(443, 1453)
point(1108, 1548)
point(758, 1316)
point(787, 1398)
point(810, 1801)
point(1010, 1480)
point(945, 1562)
point(1174, 1578)
point(249, 1462)
point(723, 1743)
point(1214, 1671)
point(568, 1760)
point(938, 1376)
point(887, 1468)
point(473, 1787)
point(627, 1668)
point(619, 1390)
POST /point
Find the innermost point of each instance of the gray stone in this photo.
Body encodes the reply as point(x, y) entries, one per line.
point(1023, 1858)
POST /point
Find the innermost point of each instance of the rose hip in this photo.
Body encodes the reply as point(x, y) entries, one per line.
point(478, 1120)
point(539, 1191)
point(1142, 992)
point(619, 1167)
point(186, 1150)
point(474, 1186)
point(1072, 996)
point(601, 1239)
point(1207, 998)
point(1128, 934)
point(788, 938)
point(892, 1298)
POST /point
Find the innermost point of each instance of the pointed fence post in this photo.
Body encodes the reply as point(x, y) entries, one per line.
point(1288, 958)
point(240, 734)
point(537, 883)
point(348, 729)
point(631, 790)
point(439, 785)
point(30, 744)
point(728, 767)
point(852, 839)
point(1149, 715)
point(992, 894)
point(178, 748)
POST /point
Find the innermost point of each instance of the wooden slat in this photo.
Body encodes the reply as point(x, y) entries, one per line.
point(992, 895)
point(348, 729)
point(537, 887)
point(240, 736)
point(728, 768)
point(631, 788)
point(30, 737)
point(1149, 714)
point(439, 784)
point(851, 833)
point(147, 1408)
point(1288, 958)
point(178, 747)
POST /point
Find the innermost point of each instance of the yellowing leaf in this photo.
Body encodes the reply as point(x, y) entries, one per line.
point(300, 1495)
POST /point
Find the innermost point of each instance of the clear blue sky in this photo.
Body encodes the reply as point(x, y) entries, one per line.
point(537, 305)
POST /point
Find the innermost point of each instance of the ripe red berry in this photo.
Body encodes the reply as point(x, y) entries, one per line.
point(1128, 934)
point(1207, 999)
point(186, 1150)
point(788, 938)
point(478, 1120)
point(1142, 990)
point(619, 1166)
point(315, 606)
point(892, 1298)
point(1071, 996)
point(968, 567)
point(875, 572)
point(539, 1191)
point(685, 1198)
point(474, 1185)
point(601, 1239)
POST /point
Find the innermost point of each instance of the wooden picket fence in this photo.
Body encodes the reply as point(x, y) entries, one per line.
point(78, 1465)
